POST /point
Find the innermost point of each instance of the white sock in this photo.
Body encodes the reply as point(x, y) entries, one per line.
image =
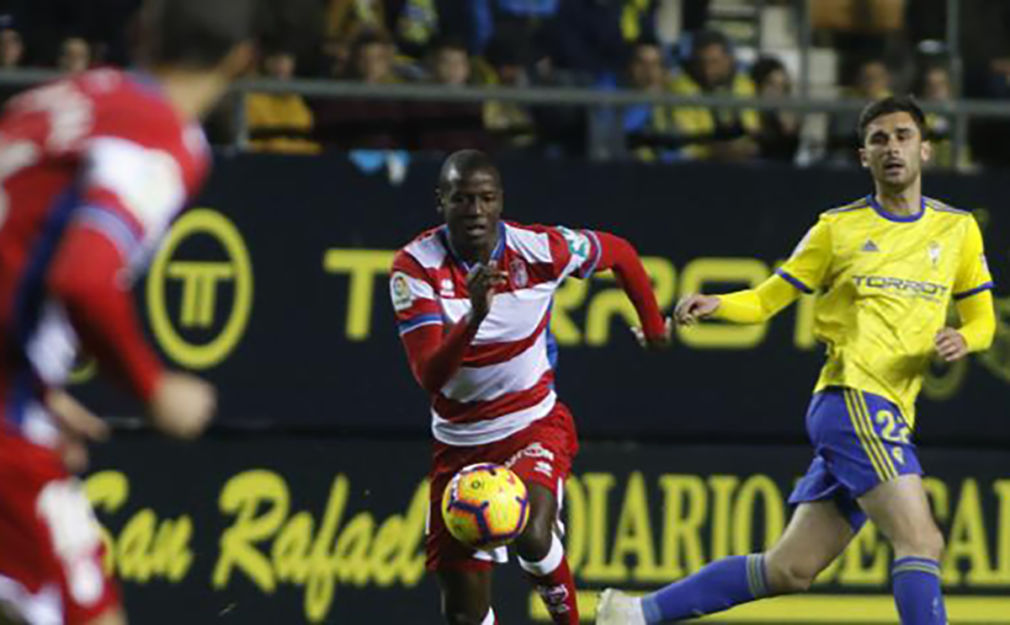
point(489, 617)
point(549, 563)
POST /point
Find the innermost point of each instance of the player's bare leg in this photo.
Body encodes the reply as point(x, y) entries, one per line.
point(114, 616)
point(466, 597)
point(542, 556)
point(816, 535)
point(900, 509)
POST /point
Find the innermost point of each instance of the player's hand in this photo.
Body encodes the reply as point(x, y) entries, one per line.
point(656, 342)
point(78, 426)
point(950, 344)
point(693, 307)
point(482, 282)
point(182, 405)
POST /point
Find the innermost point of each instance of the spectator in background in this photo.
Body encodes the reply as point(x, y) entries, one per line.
point(279, 122)
point(12, 49)
point(873, 80)
point(870, 81)
point(450, 62)
point(779, 137)
point(649, 129)
point(448, 126)
point(344, 22)
point(510, 124)
point(371, 59)
point(715, 134)
point(348, 123)
point(75, 55)
point(933, 85)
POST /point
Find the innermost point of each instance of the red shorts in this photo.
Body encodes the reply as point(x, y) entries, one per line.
point(50, 548)
point(539, 454)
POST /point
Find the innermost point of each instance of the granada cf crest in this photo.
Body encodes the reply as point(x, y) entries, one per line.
point(518, 274)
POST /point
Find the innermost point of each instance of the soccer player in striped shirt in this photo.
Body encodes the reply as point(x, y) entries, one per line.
point(886, 267)
point(473, 301)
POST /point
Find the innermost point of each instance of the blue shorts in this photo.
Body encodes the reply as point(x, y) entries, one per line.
point(860, 440)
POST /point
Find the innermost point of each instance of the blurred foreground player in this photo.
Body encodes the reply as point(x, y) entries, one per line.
point(886, 267)
point(473, 301)
point(93, 170)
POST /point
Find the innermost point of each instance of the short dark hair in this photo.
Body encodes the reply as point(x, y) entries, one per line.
point(763, 68)
point(197, 33)
point(447, 42)
point(706, 38)
point(466, 162)
point(888, 105)
point(369, 37)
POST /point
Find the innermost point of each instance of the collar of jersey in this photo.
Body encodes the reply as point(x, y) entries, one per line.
point(145, 80)
point(872, 199)
point(496, 253)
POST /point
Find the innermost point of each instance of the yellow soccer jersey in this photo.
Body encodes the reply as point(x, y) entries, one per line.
point(885, 283)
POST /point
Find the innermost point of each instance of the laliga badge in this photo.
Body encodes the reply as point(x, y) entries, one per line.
point(400, 291)
point(518, 274)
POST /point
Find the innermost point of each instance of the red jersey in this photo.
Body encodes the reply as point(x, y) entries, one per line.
point(92, 171)
point(489, 384)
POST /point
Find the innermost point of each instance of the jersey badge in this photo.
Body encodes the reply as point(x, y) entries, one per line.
point(400, 288)
point(518, 275)
point(870, 246)
point(446, 288)
point(934, 252)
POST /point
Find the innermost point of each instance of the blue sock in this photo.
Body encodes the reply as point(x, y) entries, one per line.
point(917, 591)
point(717, 587)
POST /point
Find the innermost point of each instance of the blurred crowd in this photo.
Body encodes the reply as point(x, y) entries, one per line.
point(654, 46)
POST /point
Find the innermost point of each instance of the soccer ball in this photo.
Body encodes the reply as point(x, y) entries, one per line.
point(485, 506)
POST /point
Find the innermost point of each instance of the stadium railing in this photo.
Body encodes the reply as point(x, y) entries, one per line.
point(961, 111)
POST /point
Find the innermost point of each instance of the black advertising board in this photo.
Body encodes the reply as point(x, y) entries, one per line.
point(265, 530)
point(274, 287)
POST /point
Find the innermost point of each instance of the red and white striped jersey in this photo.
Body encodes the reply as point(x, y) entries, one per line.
point(505, 381)
point(103, 152)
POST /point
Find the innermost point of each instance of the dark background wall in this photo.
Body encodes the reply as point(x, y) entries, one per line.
point(314, 344)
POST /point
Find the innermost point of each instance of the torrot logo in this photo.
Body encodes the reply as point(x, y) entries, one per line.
point(201, 283)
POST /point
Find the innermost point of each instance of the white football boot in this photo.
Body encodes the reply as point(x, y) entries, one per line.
point(617, 608)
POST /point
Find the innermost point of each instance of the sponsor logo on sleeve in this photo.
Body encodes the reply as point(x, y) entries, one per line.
point(578, 243)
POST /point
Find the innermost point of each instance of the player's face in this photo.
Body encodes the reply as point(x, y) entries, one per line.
point(894, 150)
point(471, 205)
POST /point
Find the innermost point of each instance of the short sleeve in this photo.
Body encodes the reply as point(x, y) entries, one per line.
point(131, 193)
point(574, 252)
point(413, 295)
point(973, 271)
point(809, 262)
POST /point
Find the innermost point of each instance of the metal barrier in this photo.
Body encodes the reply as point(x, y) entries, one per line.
point(614, 100)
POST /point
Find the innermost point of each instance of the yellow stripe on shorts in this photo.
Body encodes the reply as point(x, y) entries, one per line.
point(874, 437)
point(857, 424)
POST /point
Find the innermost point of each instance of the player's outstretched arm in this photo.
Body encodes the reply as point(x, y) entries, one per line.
point(755, 305)
point(86, 277)
point(620, 256)
point(978, 326)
